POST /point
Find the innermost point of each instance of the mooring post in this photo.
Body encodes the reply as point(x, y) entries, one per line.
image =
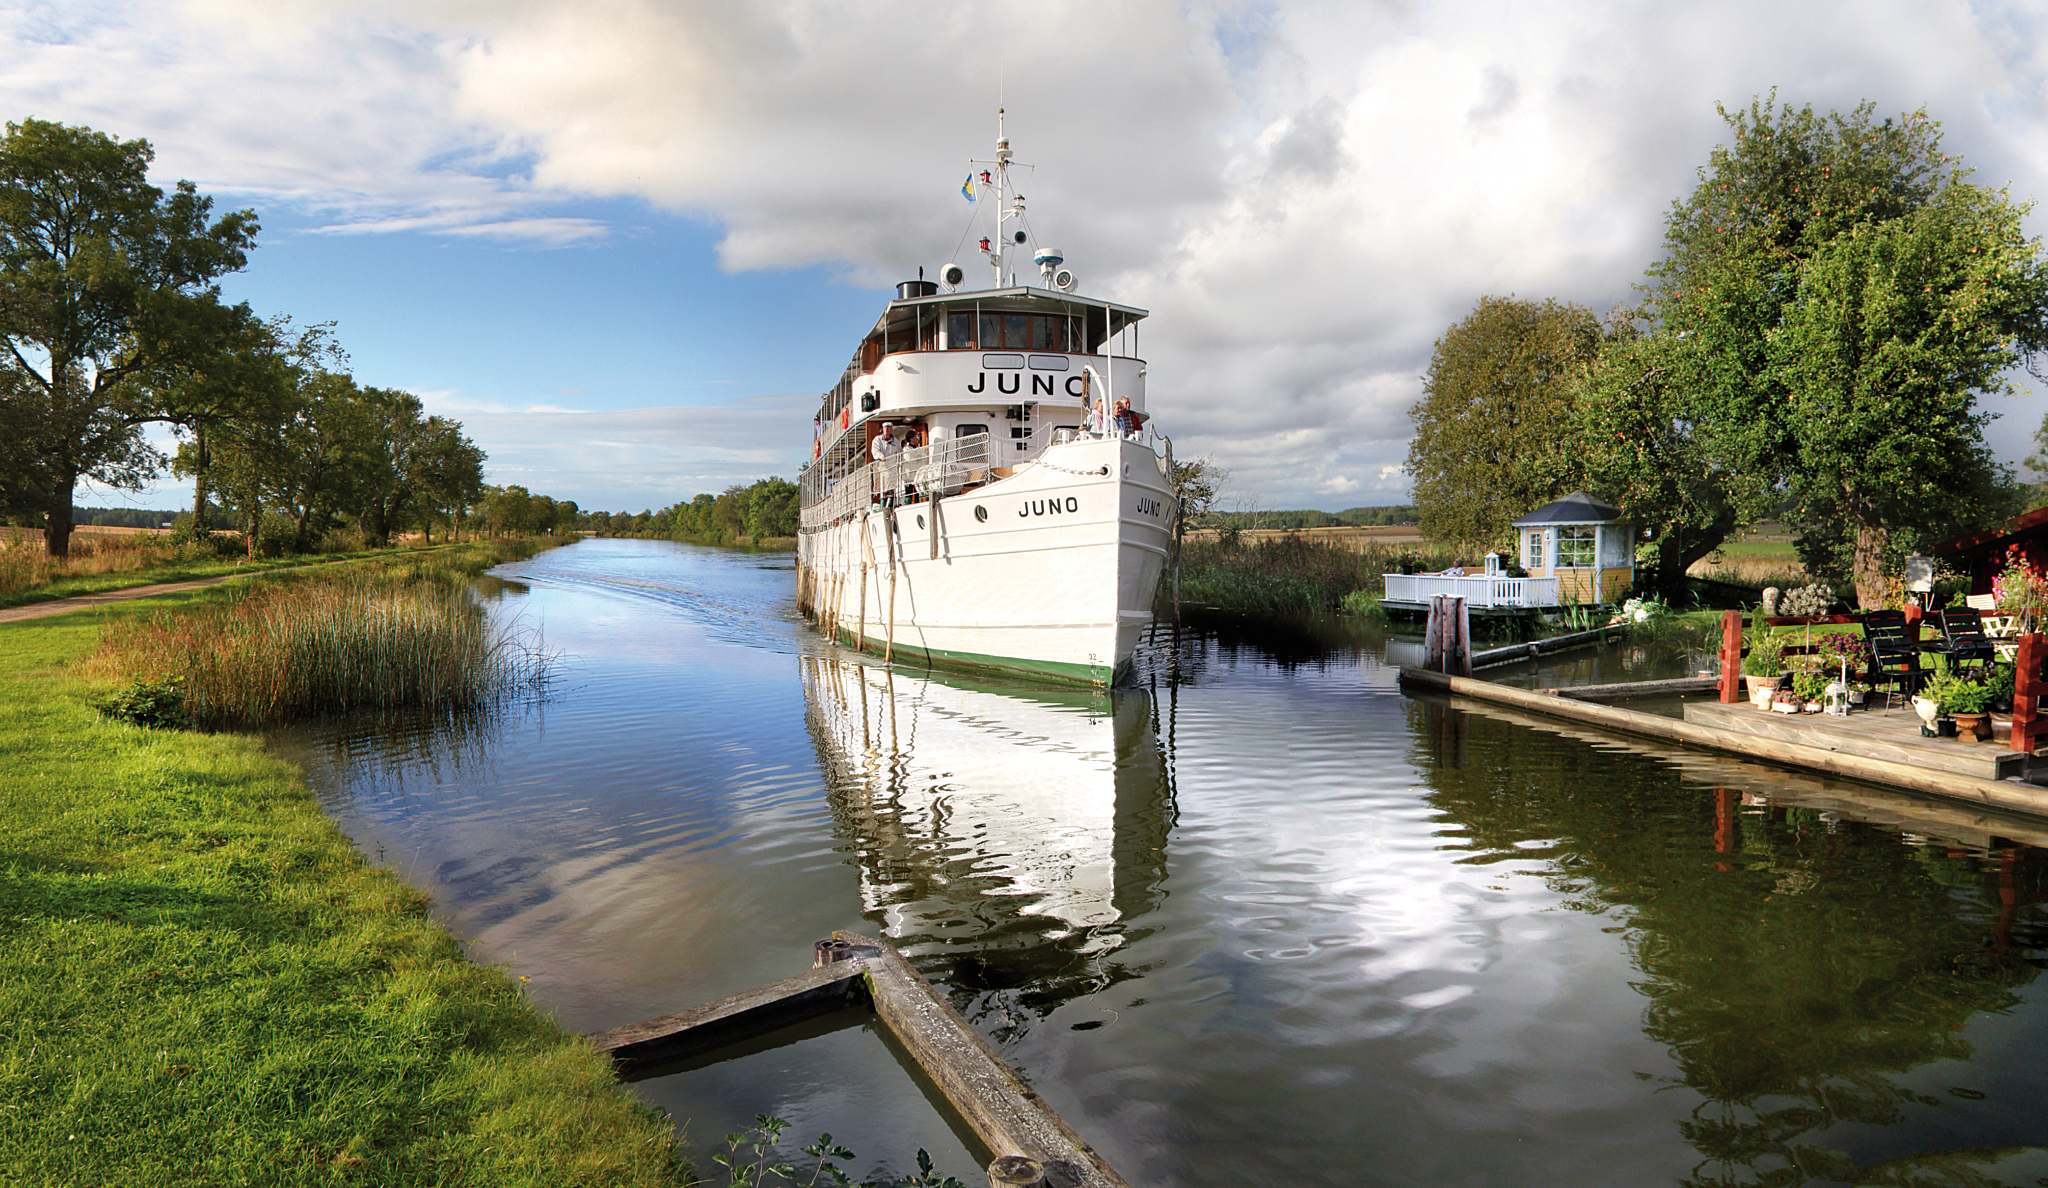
point(1463, 615)
point(1731, 657)
point(2027, 688)
point(826, 952)
point(1015, 1171)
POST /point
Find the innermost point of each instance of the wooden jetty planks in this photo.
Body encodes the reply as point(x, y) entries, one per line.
point(1893, 736)
point(2008, 795)
point(1008, 1116)
point(765, 1008)
point(1943, 819)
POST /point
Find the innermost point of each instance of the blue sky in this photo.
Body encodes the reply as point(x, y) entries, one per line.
point(626, 242)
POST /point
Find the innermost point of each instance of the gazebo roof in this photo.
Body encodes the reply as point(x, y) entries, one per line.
point(1575, 508)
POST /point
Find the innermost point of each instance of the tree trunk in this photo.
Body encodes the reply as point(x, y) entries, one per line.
point(1869, 566)
point(1679, 549)
point(57, 518)
point(200, 528)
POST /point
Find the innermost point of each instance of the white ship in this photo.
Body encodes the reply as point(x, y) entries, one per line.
point(1002, 532)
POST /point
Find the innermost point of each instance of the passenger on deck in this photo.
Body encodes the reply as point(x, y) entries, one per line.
point(884, 445)
point(1099, 420)
point(1126, 420)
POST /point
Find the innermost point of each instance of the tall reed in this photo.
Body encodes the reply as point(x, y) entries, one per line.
point(1288, 575)
point(398, 636)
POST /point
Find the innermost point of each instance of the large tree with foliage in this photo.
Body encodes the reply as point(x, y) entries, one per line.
point(1834, 297)
point(1495, 431)
point(101, 276)
point(1897, 327)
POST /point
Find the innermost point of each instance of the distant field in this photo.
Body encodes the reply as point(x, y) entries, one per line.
point(1762, 557)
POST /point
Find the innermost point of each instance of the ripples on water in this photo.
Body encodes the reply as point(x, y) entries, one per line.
point(1258, 919)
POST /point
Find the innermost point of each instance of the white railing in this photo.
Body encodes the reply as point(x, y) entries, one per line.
point(1480, 590)
point(941, 469)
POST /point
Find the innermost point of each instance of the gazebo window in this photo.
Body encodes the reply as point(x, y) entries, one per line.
point(1575, 547)
point(1534, 552)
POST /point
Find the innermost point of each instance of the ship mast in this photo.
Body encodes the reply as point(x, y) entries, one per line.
point(1005, 210)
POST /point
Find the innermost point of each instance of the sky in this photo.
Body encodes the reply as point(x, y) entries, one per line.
point(627, 244)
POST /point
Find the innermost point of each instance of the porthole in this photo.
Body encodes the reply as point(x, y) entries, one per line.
point(981, 513)
point(920, 521)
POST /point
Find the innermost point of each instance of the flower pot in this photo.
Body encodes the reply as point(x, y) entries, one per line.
point(1755, 683)
point(1760, 697)
point(1856, 696)
point(1972, 727)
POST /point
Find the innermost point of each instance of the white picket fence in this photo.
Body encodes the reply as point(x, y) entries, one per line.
point(1478, 590)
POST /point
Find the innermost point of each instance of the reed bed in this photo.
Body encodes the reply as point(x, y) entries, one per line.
point(404, 636)
point(1288, 575)
point(1756, 569)
point(24, 565)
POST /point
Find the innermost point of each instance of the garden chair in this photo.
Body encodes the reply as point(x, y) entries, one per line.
point(1894, 659)
point(1964, 641)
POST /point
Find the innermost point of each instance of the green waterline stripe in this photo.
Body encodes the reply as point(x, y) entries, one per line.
point(1074, 674)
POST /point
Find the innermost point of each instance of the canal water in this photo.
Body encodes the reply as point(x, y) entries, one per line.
point(1259, 918)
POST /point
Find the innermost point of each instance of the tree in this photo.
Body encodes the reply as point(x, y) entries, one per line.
point(1495, 431)
point(1791, 378)
point(101, 275)
point(1645, 448)
point(1896, 328)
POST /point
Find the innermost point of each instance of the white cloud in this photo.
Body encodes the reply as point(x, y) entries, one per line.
point(1305, 194)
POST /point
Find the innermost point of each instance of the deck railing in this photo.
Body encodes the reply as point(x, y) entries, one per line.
point(1479, 590)
point(943, 468)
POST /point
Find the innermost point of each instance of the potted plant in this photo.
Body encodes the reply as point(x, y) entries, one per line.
point(1764, 667)
point(1810, 688)
point(1786, 701)
point(2000, 684)
point(1859, 691)
point(1969, 704)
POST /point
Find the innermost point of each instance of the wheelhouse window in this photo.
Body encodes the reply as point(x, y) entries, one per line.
point(1575, 547)
point(959, 331)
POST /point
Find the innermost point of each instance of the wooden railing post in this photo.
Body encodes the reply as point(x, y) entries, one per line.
point(2027, 690)
point(1731, 657)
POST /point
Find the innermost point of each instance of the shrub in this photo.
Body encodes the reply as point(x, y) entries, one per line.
point(1807, 600)
point(158, 704)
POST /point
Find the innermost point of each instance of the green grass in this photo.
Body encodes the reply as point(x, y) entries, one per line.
point(201, 981)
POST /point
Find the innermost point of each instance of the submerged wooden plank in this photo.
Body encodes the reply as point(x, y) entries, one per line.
point(739, 1017)
point(1677, 686)
point(1001, 1109)
point(2008, 795)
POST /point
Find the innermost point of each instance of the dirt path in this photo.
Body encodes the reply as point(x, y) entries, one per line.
point(37, 610)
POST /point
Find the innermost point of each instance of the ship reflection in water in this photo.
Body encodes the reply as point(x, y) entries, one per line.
point(1004, 836)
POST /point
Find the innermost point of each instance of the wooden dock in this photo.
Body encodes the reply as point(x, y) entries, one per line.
point(1892, 735)
point(1875, 757)
point(1033, 1147)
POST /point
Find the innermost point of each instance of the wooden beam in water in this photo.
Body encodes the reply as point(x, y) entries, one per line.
point(729, 1020)
point(1677, 686)
point(1034, 1148)
point(1008, 1116)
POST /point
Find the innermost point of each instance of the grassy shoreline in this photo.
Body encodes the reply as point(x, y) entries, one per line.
point(204, 567)
point(201, 980)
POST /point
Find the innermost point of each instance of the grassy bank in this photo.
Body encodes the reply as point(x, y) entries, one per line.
point(100, 563)
point(201, 982)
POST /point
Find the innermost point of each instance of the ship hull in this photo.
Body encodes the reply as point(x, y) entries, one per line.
point(1050, 572)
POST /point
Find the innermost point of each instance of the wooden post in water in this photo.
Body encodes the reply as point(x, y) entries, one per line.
point(1463, 616)
point(1731, 657)
point(2027, 690)
point(1432, 649)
